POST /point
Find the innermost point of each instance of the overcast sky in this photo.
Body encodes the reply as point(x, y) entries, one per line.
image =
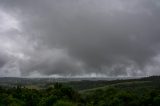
point(89, 38)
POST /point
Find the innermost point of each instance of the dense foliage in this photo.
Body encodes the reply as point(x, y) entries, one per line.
point(123, 93)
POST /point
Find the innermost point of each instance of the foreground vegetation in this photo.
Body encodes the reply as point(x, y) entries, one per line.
point(138, 92)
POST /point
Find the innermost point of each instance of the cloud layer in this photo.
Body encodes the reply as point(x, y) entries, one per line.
point(79, 37)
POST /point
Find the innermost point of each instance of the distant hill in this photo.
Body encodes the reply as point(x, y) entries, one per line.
point(87, 92)
point(76, 83)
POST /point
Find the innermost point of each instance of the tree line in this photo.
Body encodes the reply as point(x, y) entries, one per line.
point(62, 95)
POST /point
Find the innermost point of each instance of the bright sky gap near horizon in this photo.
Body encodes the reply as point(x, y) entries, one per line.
point(79, 38)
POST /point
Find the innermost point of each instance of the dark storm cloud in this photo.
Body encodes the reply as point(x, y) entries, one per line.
point(3, 60)
point(78, 37)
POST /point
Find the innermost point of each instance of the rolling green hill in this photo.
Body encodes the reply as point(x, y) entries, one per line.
point(128, 92)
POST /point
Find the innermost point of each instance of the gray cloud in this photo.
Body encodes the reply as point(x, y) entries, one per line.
point(82, 37)
point(3, 60)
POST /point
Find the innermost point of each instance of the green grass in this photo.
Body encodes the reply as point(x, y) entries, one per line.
point(134, 84)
